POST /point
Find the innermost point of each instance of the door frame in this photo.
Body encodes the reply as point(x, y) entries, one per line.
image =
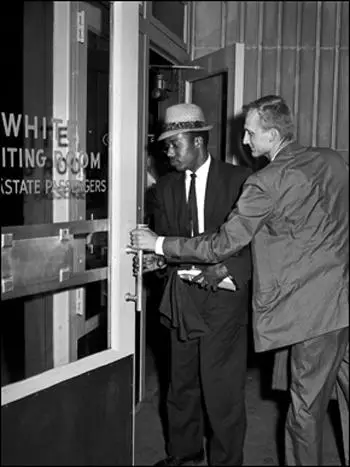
point(152, 36)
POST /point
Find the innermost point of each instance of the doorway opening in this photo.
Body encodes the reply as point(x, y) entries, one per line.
point(163, 92)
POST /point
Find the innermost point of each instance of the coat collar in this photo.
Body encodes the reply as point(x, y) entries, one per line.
point(288, 151)
point(179, 203)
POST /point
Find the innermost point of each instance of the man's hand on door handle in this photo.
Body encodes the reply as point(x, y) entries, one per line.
point(143, 239)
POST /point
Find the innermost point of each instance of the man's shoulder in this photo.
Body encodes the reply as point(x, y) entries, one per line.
point(230, 170)
point(295, 163)
point(326, 152)
point(299, 157)
point(167, 180)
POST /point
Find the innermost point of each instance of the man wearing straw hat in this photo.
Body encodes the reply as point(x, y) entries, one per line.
point(208, 327)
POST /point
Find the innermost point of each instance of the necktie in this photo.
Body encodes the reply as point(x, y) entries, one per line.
point(192, 207)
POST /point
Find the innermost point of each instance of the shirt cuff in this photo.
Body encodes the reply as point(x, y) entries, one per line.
point(159, 246)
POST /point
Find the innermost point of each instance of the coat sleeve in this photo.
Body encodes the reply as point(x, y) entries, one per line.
point(239, 265)
point(253, 209)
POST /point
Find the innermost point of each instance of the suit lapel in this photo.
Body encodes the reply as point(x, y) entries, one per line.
point(179, 204)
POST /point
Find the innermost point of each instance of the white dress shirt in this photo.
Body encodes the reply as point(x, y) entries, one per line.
point(201, 185)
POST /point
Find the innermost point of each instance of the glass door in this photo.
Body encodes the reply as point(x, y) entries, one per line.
point(68, 191)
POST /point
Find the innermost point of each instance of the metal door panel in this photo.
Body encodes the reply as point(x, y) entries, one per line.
point(218, 88)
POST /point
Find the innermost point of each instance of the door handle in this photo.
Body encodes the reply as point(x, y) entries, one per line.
point(139, 282)
point(137, 298)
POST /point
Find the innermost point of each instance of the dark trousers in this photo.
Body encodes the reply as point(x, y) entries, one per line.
point(318, 366)
point(208, 378)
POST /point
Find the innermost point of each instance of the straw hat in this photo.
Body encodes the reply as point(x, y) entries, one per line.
point(183, 118)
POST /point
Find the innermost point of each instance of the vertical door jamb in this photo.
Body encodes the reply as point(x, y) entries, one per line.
point(60, 207)
point(141, 184)
point(123, 162)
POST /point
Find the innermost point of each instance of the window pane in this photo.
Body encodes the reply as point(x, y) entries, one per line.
point(40, 329)
point(172, 15)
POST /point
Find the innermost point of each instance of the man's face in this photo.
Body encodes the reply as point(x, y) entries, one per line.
point(259, 140)
point(182, 152)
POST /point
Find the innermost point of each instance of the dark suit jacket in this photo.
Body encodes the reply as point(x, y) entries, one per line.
point(167, 205)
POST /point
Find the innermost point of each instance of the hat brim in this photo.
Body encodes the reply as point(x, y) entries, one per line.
point(167, 134)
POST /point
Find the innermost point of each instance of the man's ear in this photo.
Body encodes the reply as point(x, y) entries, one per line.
point(198, 141)
point(274, 135)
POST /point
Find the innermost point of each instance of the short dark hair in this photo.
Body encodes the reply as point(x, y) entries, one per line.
point(274, 113)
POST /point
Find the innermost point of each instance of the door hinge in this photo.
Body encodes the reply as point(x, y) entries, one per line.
point(79, 301)
point(81, 26)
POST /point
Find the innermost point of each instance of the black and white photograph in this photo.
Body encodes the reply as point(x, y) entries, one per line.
point(174, 233)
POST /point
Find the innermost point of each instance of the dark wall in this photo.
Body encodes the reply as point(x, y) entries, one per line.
point(86, 420)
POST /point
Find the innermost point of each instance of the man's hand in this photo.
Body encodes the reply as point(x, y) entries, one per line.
point(211, 276)
point(143, 239)
point(150, 262)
